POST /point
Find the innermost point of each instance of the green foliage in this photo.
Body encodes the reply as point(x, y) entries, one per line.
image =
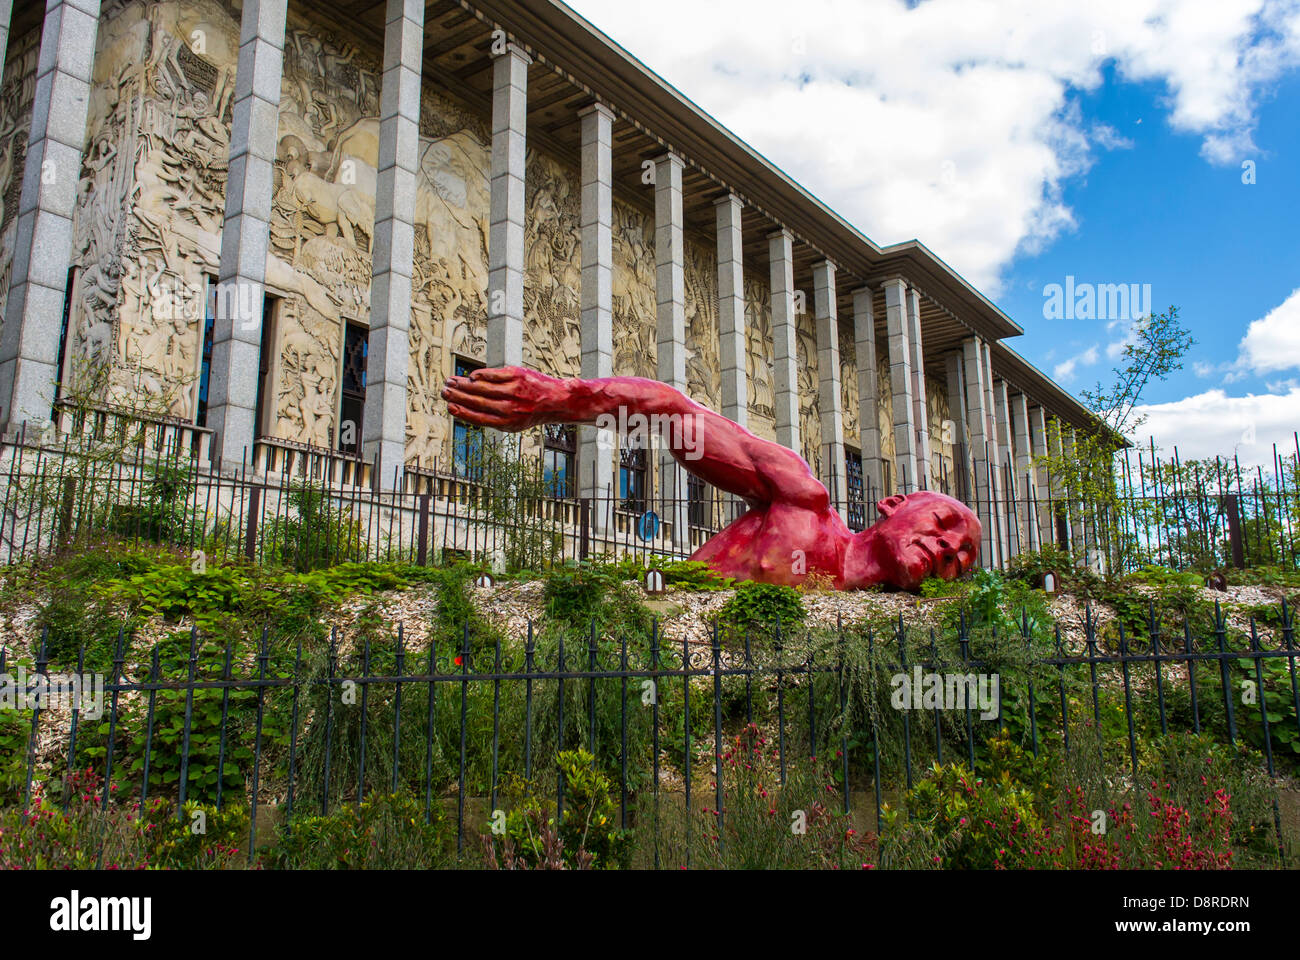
point(1155, 349)
point(588, 836)
point(984, 820)
point(73, 619)
point(763, 608)
point(575, 597)
point(320, 531)
point(203, 837)
point(15, 735)
point(514, 495)
point(691, 575)
point(80, 833)
point(765, 823)
point(384, 833)
point(161, 508)
point(1195, 806)
point(164, 744)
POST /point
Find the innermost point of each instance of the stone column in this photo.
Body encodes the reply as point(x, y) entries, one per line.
point(1042, 482)
point(920, 404)
point(6, 11)
point(237, 328)
point(1011, 482)
point(958, 434)
point(1083, 549)
point(596, 447)
point(1060, 501)
point(731, 311)
point(505, 326)
point(732, 346)
point(864, 337)
point(996, 456)
point(384, 437)
point(902, 384)
point(29, 344)
point(670, 284)
point(1026, 482)
point(829, 398)
point(785, 375)
point(979, 421)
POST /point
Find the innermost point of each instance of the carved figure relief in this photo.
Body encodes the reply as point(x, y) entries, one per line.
point(810, 427)
point(849, 386)
point(760, 357)
point(703, 367)
point(635, 323)
point(148, 231)
point(16, 96)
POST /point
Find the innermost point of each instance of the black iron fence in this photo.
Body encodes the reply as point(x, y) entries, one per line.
point(310, 507)
point(295, 727)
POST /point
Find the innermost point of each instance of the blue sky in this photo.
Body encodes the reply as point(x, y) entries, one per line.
point(1225, 252)
point(1025, 141)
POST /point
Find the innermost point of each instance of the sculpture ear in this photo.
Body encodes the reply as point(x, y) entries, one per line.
point(887, 506)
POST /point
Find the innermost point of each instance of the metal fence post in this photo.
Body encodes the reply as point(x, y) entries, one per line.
point(1234, 531)
point(422, 547)
point(250, 523)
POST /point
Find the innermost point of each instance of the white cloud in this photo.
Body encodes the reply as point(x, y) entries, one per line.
point(1066, 369)
point(1272, 342)
point(955, 121)
point(1214, 424)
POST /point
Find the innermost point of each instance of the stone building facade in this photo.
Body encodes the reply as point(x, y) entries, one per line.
point(287, 223)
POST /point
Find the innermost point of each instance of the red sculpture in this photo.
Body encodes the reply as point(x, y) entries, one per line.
point(789, 531)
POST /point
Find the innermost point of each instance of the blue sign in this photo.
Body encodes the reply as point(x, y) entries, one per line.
point(648, 526)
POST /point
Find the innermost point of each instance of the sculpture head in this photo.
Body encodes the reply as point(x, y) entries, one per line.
point(919, 535)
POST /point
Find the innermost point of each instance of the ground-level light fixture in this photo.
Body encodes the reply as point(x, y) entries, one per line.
point(655, 584)
point(1051, 582)
point(484, 580)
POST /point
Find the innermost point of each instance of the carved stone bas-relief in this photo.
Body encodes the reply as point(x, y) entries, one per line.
point(147, 235)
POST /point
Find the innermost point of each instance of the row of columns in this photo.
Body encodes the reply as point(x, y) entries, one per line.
point(988, 416)
point(1005, 436)
point(29, 345)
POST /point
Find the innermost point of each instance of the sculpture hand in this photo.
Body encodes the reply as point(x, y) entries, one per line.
point(505, 398)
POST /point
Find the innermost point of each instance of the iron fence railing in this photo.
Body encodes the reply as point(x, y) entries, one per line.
point(1205, 515)
point(354, 707)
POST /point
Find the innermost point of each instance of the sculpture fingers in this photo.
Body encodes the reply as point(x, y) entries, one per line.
point(485, 419)
point(483, 388)
point(476, 401)
point(495, 374)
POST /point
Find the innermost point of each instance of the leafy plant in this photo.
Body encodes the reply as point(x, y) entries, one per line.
point(386, 833)
point(764, 608)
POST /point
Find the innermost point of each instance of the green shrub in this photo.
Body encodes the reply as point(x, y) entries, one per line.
point(763, 608)
point(384, 833)
point(317, 533)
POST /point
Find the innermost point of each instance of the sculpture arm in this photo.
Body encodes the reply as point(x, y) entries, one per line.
point(716, 449)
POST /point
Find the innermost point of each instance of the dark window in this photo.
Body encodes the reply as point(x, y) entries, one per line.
point(559, 448)
point(697, 504)
point(205, 370)
point(63, 337)
point(352, 407)
point(855, 512)
point(264, 365)
point(632, 479)
point(466, 438)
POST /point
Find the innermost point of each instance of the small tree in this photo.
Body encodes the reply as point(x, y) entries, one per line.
point(1085, 470)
